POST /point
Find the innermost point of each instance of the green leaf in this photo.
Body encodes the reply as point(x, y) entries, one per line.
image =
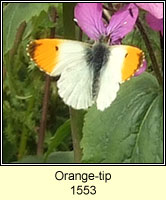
point(130, 130)
point(55, 157)
point(61, 157)
point(13, 15)
point(9, 150)
point(30, 159)
point(62, 132)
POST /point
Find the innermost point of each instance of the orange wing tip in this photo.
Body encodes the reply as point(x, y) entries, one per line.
point(132, 63)
point(45, 53)
point(31, 48)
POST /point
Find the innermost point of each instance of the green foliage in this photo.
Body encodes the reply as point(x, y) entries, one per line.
point(23, 85)
point(134, 38)
point(61, 133)
point(55, 157)
point(14, 15)
point(69, 25)
point(130, 130)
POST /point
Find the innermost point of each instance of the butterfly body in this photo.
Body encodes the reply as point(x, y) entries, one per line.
point(96, 58)
point(88, 73)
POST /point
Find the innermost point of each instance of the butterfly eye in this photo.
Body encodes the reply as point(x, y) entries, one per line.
point(126, 55)
point(56, 48)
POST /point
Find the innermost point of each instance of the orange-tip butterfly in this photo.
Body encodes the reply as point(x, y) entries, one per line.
point(88, 73)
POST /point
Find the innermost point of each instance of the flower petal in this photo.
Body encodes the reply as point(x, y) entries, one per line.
point(122, 22)
point(155, 9)
point(89, 18)
point(154, 23)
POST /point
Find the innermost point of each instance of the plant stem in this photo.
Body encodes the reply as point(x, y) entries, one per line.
point(77, 117)
point(9, 70)
point(43, 122)
point(80, 35)
point(68, 22)
point(23, 143)
point(151, 52)
point(17, 41)
point(9, 58)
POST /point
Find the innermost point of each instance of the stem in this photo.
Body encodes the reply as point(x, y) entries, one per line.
point(17, 41)
point(43, 122)
point(68, 22)
point(80, 35)
point(151, 52)
point(9, 58)
point(110, 8)
point(9, 73)
point(25, 131)
point(23, 143)
point(77, 117)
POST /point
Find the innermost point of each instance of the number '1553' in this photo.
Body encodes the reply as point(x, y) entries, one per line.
point(83, 189)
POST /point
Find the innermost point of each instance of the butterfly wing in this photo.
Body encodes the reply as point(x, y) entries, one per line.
point(75, 85)
point(53, 55)
point(123, 62)
point(68, 59)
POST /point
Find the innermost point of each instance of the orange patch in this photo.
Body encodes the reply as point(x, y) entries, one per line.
point(133, 61)
point(45, 53)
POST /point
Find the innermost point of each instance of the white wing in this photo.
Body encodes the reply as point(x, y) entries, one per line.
point(110, 77)
point(75, 84)
point(68, 59)
point(70, 52)
point(53, 55)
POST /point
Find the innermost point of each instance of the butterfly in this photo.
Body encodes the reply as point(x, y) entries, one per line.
point(89, 74)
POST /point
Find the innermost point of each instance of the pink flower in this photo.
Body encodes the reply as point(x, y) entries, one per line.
point(142, 69)
point(89, 18)
point(156, 9)
point(154, 17)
